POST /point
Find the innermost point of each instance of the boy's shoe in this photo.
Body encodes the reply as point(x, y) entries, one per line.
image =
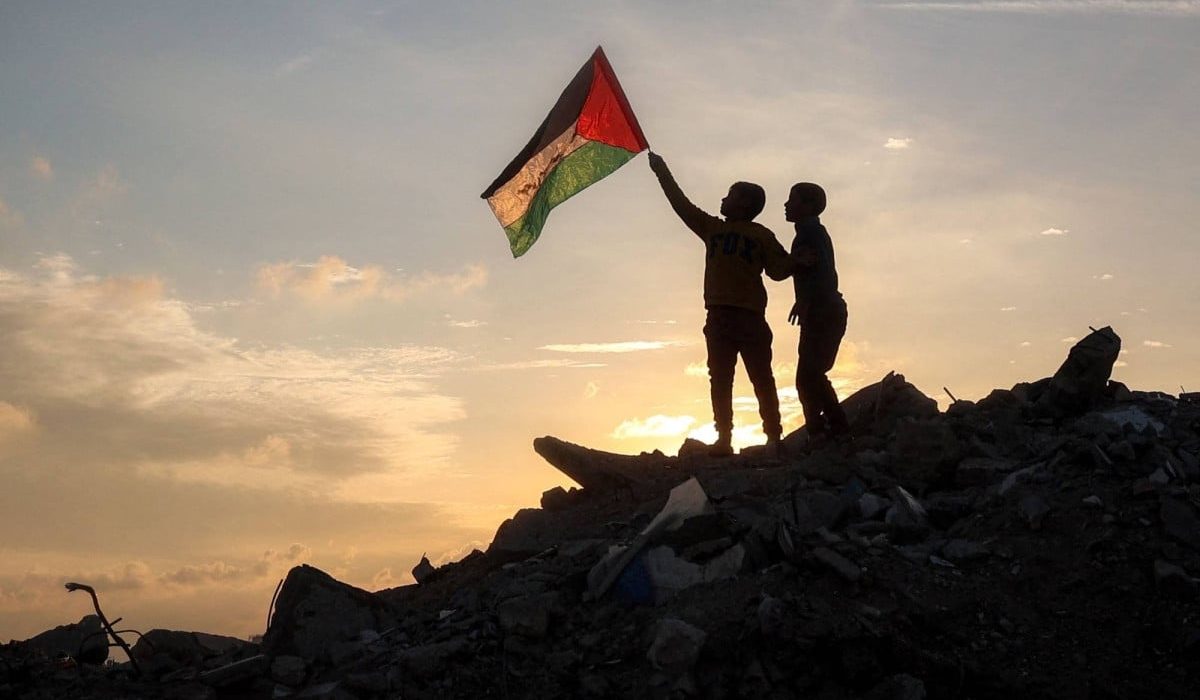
point(723, 447)
point(775, 448)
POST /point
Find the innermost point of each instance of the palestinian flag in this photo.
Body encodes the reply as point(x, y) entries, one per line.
point(590, 132)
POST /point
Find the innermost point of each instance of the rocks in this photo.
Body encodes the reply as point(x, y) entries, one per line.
point(1082, 379)
point(818, 575)
point(838, 564)
point(555, 499)
point(961, 551)
point(314, 612)
point(979, 471)
point(1033, 510)
point(423, 571)
point(288, 670)
point(528, 616)
point(676, 646)
point(906, 519)
point(1179, 521)
point(85, 641)
point(924, 451)
point(159, 651)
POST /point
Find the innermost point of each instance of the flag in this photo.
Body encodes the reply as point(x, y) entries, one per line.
point(589, 133)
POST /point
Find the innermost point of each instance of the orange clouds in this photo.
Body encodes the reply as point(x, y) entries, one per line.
point(332, 280)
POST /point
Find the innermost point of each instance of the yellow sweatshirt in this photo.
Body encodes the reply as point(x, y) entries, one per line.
point(738, 252)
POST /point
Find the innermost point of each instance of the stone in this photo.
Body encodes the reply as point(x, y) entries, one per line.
point(898, 687)
point(978, 471)
point(1122, 450)
point(924, 451)
point(288, 670)
point(595, 470)
point(816, 509)
point(1189, 465)
point(871, 506)
point(1132, 418)
point(838, 564)
point(528, 532)
point(86, 641)
point(959, 551)
point(1094, 501)
point(430, 660)
point(906, 519)
point(236, 673)
point(1179, 521)
point(527, 616)
point(1082, 379)
point(314, 611)
point(556, 499)
point(1173, 578)
point(1033, 509)
point(771, 613)
point(423, 571)
point(188, 649)
point(676, 646)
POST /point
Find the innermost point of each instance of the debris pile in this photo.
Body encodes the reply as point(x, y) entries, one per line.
point(1043, 542)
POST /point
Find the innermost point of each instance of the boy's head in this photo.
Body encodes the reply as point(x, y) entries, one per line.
point(806, 199)
point(744, 201)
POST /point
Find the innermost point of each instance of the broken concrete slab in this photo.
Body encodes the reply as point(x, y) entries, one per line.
point(595, 470)
point(838, 564)
point(685, 501)
point(1082, 379)
point(1179, 521)
point(314, 611)
point(676, 646)
point(84, 641)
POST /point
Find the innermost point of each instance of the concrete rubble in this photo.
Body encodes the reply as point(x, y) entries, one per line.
point(1042, 542)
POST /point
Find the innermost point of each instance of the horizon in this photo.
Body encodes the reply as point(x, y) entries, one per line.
point(254, 313)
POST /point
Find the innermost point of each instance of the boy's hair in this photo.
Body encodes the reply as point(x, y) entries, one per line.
point(756, 197)
point(811, 193)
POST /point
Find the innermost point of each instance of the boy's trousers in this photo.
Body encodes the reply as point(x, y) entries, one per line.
point(820, 336)
point(728, 332)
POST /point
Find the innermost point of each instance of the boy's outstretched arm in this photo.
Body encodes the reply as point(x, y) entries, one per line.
point(692, 216)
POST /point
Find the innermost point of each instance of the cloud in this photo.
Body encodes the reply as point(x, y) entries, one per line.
point(590, 390)
point(120, 374)
point(472, 323)
point(295, 64)
point(1025, 343)
point(1155, 344)
point(1008, 308)
point(99, 193)
point(537, 364)
point(1069, 339)
point(40, 169)
point(896, 144)
point(14, 420)
point(1056, 232)
point(618, 347)
point(655, 426)
point(1168, 8)
point(696, 369)
point(9, 217)
point(1104, 277)
point(332, 280)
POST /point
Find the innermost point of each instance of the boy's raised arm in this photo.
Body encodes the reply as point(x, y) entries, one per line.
point(692, 216)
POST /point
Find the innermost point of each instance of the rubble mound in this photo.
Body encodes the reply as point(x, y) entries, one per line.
point(1043, 542)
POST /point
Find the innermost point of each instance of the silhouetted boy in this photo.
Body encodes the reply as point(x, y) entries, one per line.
point(738, 252)
point(820, 311)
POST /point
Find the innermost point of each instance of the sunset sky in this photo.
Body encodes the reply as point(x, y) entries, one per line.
point(253, 312)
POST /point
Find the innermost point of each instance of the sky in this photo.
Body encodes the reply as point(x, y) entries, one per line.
point(253, 312)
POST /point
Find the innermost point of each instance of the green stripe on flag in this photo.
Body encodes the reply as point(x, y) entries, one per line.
point(587, 164)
